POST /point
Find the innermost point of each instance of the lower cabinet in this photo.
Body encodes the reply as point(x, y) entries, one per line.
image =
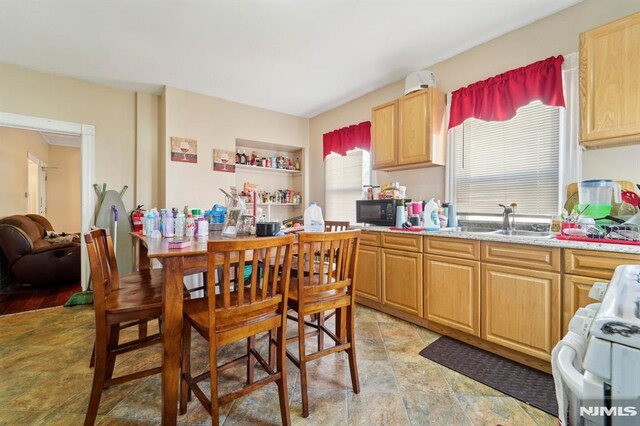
point(452, 293)
point(521, 309)
point(402, 280)
point(368, 273)
point(575, 295)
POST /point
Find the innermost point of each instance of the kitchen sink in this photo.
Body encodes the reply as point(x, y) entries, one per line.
point(470, 229)
point(521, 233)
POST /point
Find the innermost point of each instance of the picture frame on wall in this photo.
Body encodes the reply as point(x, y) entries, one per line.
point(224, 161)
point(184, 150)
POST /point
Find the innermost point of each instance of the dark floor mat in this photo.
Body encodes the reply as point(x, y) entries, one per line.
point(519, 381)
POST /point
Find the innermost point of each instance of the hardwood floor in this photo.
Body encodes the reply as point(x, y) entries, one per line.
point(16, 298)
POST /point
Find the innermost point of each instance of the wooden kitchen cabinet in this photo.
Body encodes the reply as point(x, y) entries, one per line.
point(421, 128)
point(402, 280)
point(583, 268)
point(368, 272)
point(384, 135)
point(410, 131)
point(609, 84)
point(575, 294)
point(452, 292)
point(521, 309)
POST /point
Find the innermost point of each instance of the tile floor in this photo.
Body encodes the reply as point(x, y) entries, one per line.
point(45, 379)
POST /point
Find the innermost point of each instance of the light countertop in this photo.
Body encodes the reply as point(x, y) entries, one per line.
point(536, 241)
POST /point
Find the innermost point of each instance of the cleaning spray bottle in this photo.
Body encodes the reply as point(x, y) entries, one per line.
point(431, 221)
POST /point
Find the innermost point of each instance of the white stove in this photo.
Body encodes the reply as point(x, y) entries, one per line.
point(605, 389)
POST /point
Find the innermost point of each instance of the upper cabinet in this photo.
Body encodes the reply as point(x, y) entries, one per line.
point(610, 84)
point(384, 135)
point(409, 132)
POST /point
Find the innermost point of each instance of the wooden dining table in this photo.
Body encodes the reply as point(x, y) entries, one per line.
point(175, 262)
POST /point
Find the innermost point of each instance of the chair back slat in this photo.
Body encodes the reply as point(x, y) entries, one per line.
point(326, 261)
point(336, 225)
point(265, 289)
point(104, 268)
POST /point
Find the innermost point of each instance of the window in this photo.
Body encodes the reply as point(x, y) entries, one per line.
point(344, 177)
point(501, 162)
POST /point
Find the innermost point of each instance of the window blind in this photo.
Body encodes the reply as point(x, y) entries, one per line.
point(344, 177)
point(510, 161)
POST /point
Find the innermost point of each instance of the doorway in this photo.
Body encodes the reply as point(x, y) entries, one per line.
point(86, 132)
point(36, 185)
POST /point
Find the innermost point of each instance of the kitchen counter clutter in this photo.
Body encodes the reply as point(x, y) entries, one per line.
point(511, 295)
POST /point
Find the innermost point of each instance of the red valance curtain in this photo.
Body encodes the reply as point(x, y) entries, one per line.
point(498, 98)
point(342, 140)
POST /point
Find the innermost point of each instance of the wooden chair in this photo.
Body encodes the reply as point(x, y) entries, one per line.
point(259, 305)
point(118, 300)
point(318, 290)
point(336, 225)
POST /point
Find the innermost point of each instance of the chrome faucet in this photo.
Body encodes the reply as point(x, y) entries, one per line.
point(508, 210)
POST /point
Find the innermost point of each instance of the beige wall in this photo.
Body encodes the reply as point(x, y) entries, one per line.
point(555, 35)
point(14, 146)
point(216, 123)
point(111, 111)
point(63, 189)
point(146, 161)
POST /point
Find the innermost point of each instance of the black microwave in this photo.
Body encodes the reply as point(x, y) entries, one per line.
point(377, 212)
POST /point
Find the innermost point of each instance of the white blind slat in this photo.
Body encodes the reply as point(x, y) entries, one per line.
point(510, 161)
point(344, 178)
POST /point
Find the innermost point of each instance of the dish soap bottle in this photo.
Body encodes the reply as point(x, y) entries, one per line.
point(431, 221)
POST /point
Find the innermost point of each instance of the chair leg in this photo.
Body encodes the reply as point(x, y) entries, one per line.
point(320, 332)
point(283, 391)
point(204, 283)
point(213, 381)
point(251, 359)
point(303, 366)
point(114, 337)
point(185, 390)
point(92, 361)
point(142, 330)
point(99, 375)
point(351, 352)
point(272, 349)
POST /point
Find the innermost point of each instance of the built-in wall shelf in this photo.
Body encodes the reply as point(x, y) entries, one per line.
point(267, 170)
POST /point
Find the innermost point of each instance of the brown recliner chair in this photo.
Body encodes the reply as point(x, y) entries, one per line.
point(34, 259)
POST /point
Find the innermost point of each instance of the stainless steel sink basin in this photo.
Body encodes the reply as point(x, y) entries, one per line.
point(471, 229)
point(520, 233)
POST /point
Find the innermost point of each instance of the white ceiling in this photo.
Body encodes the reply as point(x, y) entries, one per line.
point(61, 139)
point(300, 57)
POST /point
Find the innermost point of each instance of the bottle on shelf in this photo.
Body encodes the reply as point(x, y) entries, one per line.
point(243, 157)
point(238, 155)
point(297, 163)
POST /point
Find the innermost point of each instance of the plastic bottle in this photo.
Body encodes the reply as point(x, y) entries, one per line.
point(313, 221)
point(163, 216)
point(179, 225)
point(149, 224)
point(431, 221)
point(167, 230)
point(156, 226)
point(190, 226)
point(203, 227)
point(451, 213)
point(401, 215)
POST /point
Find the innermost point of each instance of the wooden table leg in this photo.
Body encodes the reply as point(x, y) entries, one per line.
point(341, 323)
point(144, 263)
point(172, 337)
